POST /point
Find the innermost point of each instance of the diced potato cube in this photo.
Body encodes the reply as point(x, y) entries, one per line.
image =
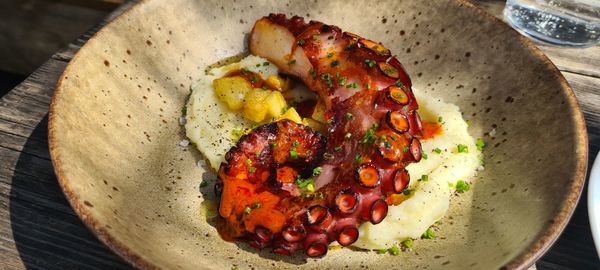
point(274, 82)
point(291, 114)
point(276, 104)
point(319, 112)
point(255, 106)
point(232, 90)
point(278, 83)
point(313, 124)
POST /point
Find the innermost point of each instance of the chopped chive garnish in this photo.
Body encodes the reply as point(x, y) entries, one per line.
point(301, 42)
point(369, 136)
point(326, 77)
point(428, 234)
point(408, 243)
point(462, 148)
point(295, 143)
point(424, 156)
point(436, 150)
point(252, 169)
point(308, 184)
point(400, 84)
point(480, 144)
point(370, 63)
point(313, 73)
point(247, 210)
point(462, 186)
point(317, 171)
point(349, 116)
point(387, 144)
point(293, 153)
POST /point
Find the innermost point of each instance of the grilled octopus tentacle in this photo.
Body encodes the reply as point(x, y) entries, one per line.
point(372, 135)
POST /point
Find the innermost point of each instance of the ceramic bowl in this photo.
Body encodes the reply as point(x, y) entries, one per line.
point(115, 135)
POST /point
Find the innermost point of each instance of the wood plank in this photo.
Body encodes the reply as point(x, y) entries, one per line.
point(29, 101)
point(47, 241)
point(19, 129)
point(25, 163)
point(587, 90)
point(33, 30)
point(37, 148)
point(38, 229)
point(581, 61)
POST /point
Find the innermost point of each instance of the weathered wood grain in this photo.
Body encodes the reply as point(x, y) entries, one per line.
point(39, 230)
point(33, 30)
point(587, 90)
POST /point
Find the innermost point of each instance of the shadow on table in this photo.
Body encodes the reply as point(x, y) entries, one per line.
point(47, 232)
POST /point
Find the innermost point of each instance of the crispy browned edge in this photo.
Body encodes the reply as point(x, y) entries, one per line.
point(522, 261)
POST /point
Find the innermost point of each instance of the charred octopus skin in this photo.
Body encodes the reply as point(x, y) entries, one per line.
point(352, 170)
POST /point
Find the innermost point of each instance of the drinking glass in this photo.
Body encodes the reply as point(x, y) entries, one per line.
point(574, 23)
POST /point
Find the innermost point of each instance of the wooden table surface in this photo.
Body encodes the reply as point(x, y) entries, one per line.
point(39, 230)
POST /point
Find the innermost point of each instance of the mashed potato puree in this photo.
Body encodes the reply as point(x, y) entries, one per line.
point(214, 129)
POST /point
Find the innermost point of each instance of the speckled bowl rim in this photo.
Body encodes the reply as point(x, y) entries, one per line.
point(522, 261)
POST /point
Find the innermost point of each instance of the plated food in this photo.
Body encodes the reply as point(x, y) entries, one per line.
point(120, 156)
point(331, 166)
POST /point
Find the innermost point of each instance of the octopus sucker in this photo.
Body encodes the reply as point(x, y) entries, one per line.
point(288, 187)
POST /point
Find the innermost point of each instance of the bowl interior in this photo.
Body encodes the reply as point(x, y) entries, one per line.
point(114, 131)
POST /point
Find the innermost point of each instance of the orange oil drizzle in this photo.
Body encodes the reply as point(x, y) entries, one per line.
point(431, 130)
